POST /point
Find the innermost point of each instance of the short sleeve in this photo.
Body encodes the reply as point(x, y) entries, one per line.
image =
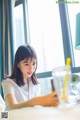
point(7, 88)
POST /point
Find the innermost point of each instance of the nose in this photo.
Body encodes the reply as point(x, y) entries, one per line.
point(30, 67)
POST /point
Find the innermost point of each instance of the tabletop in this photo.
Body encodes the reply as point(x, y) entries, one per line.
point(45, 113)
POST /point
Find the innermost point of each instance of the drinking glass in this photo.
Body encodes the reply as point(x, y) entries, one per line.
point(62, 78)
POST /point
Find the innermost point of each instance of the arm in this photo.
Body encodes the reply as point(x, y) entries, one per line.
point(47, 100)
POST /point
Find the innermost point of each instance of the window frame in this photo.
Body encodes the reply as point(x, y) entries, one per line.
point(66, 35)
point(67, 38)
point(24, 2)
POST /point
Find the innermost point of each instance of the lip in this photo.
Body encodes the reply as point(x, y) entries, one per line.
point(29, 73)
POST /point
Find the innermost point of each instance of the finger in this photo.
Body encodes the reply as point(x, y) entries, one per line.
point(55, 103)
point(55, 99)
point(54, 93)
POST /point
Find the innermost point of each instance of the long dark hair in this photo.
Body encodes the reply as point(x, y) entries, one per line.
point(23, 52)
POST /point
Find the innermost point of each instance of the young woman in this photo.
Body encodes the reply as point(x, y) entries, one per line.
point(22, 89)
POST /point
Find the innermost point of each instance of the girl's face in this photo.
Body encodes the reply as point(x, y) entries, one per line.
point(27, 67)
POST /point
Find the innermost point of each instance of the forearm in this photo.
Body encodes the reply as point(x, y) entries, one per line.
point(30, 103)
point(47, 100)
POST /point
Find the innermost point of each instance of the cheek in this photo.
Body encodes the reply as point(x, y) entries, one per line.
point(22, 69)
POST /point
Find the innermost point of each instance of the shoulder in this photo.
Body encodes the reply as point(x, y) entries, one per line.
point(9, 81)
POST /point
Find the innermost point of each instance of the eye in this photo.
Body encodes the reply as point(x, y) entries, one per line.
point(34, 63)
point(26, 64)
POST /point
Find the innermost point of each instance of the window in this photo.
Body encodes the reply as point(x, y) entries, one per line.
point(19, 37)
point(73, 9)
point(45, 33)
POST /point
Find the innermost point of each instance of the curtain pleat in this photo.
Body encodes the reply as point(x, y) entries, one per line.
point(1, 68)
point(6, 37)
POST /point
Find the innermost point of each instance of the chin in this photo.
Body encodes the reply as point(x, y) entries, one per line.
point(29, 76)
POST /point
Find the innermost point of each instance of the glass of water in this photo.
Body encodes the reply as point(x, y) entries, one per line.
point(62, 77)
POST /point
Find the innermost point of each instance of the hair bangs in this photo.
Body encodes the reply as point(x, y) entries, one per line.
point(24, 52)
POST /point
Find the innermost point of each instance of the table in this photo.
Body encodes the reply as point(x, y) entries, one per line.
point(45, 113)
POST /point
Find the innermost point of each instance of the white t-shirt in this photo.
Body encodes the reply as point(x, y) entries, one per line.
point(22, 93)
point(2, 104)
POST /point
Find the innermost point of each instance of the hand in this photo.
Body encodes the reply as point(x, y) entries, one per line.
point(46, 100)
point(51, 99)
